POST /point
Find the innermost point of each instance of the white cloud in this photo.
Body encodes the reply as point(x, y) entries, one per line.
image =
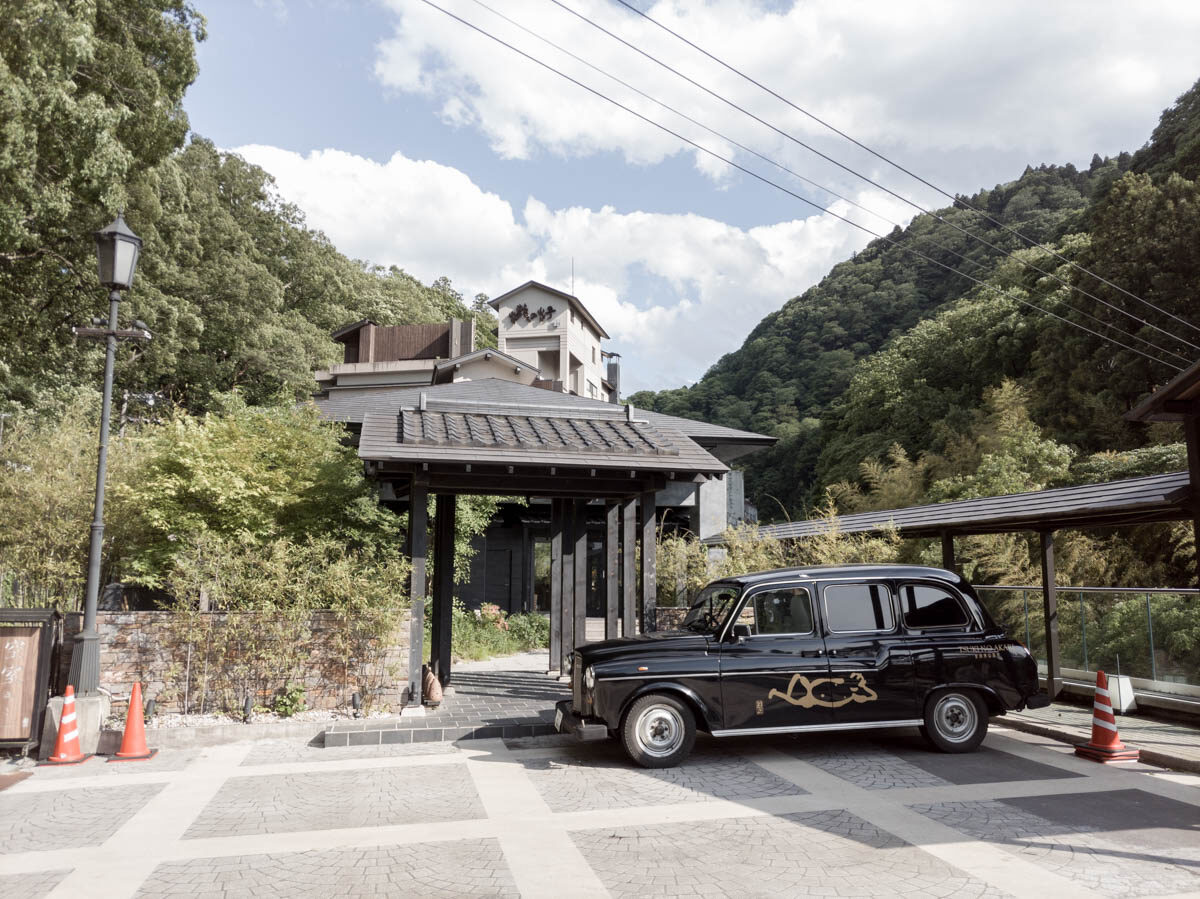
point(427, 218)
point(1054, 82)
point(675, 291)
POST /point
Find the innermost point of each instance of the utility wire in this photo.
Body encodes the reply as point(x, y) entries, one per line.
point(952, 197)
point(789, 171)
point(786, 190)
point(791, 137)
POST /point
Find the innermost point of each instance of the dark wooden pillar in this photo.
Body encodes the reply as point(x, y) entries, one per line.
point(581, 571)
point(527, 595)
point(1050, 609)
point(568, 586)
point(948, 551)
point(612, 573)
point(418, 549)
point(649, 528)
point(1191, 433)
point(556, 597)
point(443, 586)
point(628, 576)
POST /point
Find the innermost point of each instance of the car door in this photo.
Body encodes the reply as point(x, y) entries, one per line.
point(870, 661)
point(773, 668)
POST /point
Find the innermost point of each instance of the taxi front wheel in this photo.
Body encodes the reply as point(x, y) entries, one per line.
point(955, 720)
point(658, 731)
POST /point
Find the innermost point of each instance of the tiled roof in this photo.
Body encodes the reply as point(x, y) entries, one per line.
point(428, 428)
point(506, 434)
point(351, 404)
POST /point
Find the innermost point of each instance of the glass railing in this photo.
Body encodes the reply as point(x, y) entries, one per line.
point(1148, 633)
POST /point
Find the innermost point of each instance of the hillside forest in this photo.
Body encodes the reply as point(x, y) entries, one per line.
point(891, 382)
point(894, 382)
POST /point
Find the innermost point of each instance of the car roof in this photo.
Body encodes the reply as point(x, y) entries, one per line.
point(828, 572)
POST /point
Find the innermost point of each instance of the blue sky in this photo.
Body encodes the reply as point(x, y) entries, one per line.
point(411, 141)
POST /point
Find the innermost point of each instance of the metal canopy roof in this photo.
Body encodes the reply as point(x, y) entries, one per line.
point(1161, 497)
point(1176, 401)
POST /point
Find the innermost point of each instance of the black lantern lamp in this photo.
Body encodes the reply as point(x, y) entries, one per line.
point(117, 249)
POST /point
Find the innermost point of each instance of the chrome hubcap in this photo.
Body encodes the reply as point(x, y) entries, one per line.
point(659, 730)
point(955, 717)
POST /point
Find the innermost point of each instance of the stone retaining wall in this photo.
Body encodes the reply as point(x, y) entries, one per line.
point(669, 619)
point(139, 647)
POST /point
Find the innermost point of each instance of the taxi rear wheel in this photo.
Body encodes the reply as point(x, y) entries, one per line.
point(955, 720)
point(659, 731)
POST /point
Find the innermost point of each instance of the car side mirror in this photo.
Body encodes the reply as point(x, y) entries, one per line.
point(741, 632)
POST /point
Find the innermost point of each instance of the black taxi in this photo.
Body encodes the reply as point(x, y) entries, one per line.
point(806, 649)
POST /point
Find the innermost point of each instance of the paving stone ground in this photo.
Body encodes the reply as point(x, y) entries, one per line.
point(848, 815)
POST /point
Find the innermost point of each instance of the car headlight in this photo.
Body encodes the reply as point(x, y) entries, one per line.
point(589, 678)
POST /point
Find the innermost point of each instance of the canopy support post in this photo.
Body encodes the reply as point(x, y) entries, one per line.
point(948, 561)
point(649, 529)
point(1050, 609)
point(628, 576)
point(581, 572)
point(556, 597)
point(443, 586)
point(418, 550)
point(612, 576)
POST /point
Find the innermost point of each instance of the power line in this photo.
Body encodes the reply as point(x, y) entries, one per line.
point(786, 190)
point(791, 137)
point(789, 171)
point(952, 197)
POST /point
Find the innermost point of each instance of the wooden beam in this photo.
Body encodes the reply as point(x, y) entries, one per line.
point(628, 575)
point(649, 528)
point(556, 597)
point(443, 587)
point(948, 551)
point(568, 587)
point(581, 571)
point(1050, 611)
point(464, 482)
point(612, 573)
point(418, 549)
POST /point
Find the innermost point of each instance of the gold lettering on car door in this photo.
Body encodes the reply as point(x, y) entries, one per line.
point(859, 691)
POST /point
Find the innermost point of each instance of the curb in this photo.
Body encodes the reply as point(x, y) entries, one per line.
point(216, 734)
point(1149, 756)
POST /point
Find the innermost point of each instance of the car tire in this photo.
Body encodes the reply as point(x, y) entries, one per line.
point(955, 720)
point(659, 731)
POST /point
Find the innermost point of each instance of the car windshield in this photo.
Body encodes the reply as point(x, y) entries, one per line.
point(711, 608)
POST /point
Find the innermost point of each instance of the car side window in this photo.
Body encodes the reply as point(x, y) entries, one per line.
point(784, 611)
point(925, 606)
point(859, 608)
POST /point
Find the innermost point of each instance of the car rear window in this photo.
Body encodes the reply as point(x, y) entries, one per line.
point(859, 608)
point(925, 606)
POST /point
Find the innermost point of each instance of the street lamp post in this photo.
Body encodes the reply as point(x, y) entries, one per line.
point(117, 249)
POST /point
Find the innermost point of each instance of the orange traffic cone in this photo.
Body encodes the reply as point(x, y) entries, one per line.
point(66, 746)
point(1105, 745)
point(133, 741)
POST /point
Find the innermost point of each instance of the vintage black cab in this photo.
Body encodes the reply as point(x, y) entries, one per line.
point(806, 649)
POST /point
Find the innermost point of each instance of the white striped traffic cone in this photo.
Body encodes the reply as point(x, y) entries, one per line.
point(1105, 745)
point(66, 746)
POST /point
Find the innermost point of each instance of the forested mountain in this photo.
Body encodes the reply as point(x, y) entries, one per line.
point(236, 289)
point(891, 354)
